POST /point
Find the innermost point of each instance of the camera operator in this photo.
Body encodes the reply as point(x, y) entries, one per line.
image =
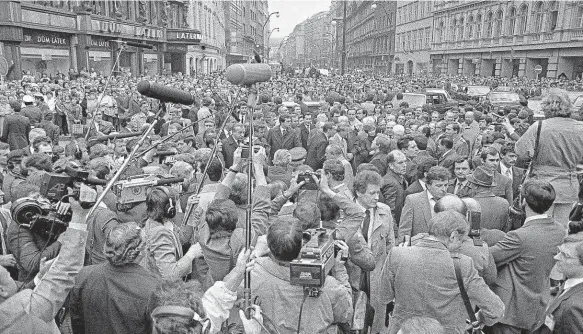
point(29, 247)
point(222, 233)
point(33, 310)
point(293, 311)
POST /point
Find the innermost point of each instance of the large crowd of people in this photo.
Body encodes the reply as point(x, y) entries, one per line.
point(444, 220)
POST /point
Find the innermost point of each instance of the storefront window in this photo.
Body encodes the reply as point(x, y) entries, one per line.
point(151, 64)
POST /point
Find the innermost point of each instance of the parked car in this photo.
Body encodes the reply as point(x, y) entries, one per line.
point(497, 101)
point(437, 101)
point(478, 92)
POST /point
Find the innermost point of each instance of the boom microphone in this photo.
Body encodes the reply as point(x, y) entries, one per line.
point(115, 136)
point(164, 93)
point(248, 74)
point(137, 45)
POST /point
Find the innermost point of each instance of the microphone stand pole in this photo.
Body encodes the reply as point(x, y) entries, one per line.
point(124, 164)
point(121, 48)
point(247, 283)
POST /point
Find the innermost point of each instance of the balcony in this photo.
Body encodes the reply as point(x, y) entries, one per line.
point(576, 34)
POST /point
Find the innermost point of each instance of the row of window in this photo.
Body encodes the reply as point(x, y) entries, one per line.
point(383, 44)
point(413, 40)
point(146, 11)
point(207, 22)
point(414, 11)
point(515, 21)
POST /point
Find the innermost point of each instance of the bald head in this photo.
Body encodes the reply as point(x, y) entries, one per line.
point(398, 130)
point(450, 203)
point(472, 204)
point(469, 117)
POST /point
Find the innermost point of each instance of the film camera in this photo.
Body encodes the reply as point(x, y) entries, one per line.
point(310, 184)
point(134, 189)
point(40, 214)
point(315, 261)
point(54, 186)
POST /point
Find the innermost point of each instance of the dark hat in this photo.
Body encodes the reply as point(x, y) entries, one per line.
point(482, 176)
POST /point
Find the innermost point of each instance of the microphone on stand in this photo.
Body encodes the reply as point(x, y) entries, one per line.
point(248, 74)
point(164, 93)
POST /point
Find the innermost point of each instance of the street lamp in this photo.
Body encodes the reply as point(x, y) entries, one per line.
point(264, 24)
point(343, 59)
point(269, 17)
point(269, 43)
point(333, 44)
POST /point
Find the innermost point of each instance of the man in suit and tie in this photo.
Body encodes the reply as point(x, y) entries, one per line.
point(507, 168)
point(460, 186)
point(525, 258)
point(394, 184)
point(418, 208)
point(564, 313)
point(460, 145)
point(231, 143)
point(449, 154)
point(494, 208)
point(305, 129)
point(377, 230)
point(503, 185)
point(283, 136)
point(317, 146)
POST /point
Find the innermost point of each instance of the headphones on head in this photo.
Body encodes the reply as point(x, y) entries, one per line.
point(170, 209)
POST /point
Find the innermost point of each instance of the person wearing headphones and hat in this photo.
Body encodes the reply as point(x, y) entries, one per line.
point(163, 253)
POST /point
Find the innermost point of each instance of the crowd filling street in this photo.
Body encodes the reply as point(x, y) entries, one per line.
point(454, 204)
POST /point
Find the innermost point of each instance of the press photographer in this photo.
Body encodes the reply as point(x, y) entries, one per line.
point(34, 310)
point(293, 311)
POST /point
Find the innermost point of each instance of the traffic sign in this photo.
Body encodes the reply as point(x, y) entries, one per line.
point(538, 69)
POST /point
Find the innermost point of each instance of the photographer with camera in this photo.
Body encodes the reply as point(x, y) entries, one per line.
point(293, 311)
point(28, 246)
point(34, 310)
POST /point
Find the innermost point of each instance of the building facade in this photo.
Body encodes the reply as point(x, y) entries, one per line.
point(370, 34)
point(311, 43)
point(53, 36)
point(318, 41)
point(209, 55)
point(508, 39)
point(413, 37)
point(246, 29)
